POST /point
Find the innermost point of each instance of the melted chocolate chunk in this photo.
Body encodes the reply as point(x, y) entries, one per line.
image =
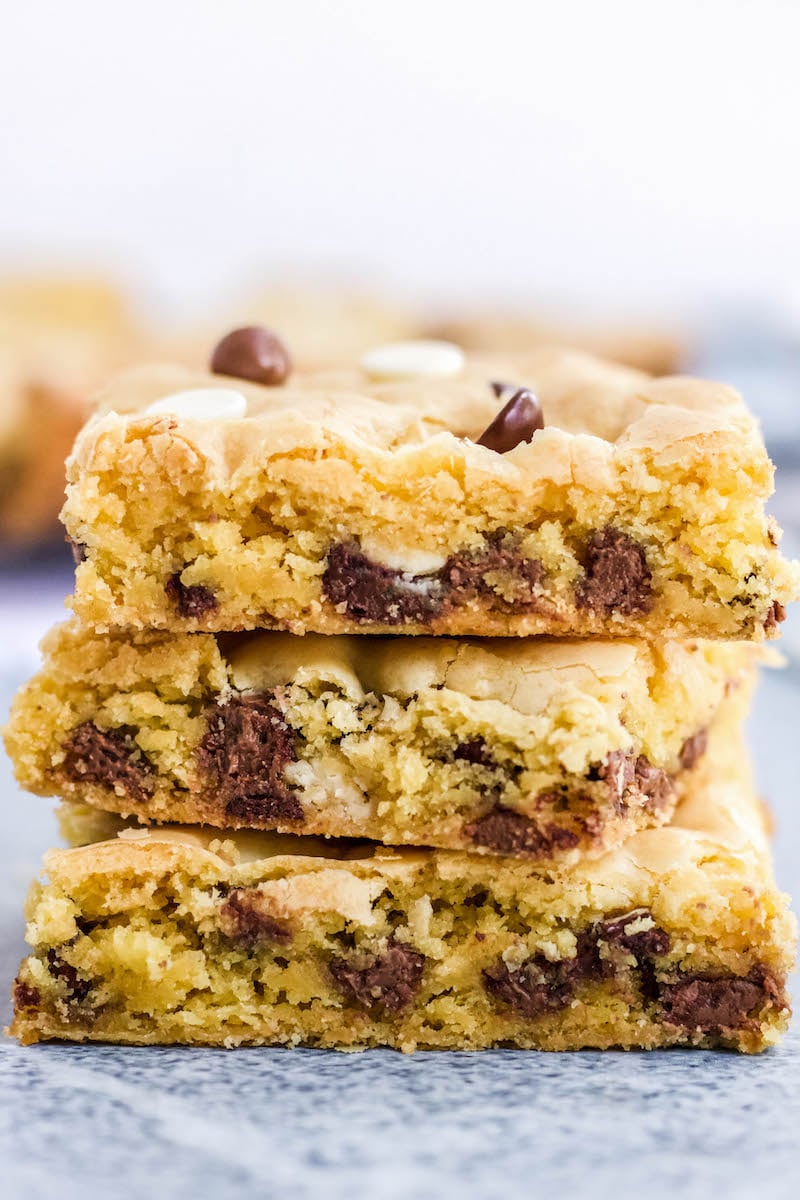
point(24, 995)
point(616, 575)
point(654, 783)
point(510, 832)
point(245, 752)
point(192, 600)
point(714, 1005)
point(474, 751)
point(77, 987)
point(693, 750)
point(253, 353)
point(643, 943)
point(390, 980)
point(618, 771)
point(629, 777)
point(776, 614)
point(109, 757)
point(242, 919)
point(539, 986)
point(371, 592)
point(464, 574)
point(517, 422)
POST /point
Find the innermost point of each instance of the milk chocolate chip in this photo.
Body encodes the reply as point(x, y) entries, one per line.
point(253, 353)
point(109, 757)
point(509, 832)
point(516, 422)
point(714, 1005)
point(24, 995)
point(693, 750)
point(245, 751)
point(539, 985)
point(243, 919)
point(616, 575)
point(191, 600)
point(76, 985)
point(390, 980)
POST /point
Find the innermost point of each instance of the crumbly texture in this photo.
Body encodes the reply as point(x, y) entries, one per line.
point(58, 341)
point(678, 938)
point(342, 505)
point(552, 750)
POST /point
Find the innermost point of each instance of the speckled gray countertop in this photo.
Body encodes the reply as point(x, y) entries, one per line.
point(78, 1122)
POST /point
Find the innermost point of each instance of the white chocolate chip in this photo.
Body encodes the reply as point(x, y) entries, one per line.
point(204, 404)
point(401, 360)
point(410, 562)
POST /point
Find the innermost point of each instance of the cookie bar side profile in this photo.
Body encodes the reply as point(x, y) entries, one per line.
point(337, 502)
point(548, 750)
point(678, 938)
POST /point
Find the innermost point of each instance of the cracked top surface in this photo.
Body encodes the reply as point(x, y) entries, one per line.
point(592, 409)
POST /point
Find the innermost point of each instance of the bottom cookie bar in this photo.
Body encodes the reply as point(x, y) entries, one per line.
point(167, 935)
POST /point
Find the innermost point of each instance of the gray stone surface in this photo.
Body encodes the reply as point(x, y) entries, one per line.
point(81, 1122)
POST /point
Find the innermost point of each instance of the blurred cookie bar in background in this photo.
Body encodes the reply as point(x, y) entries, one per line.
point(659, 351)
point(60, 337)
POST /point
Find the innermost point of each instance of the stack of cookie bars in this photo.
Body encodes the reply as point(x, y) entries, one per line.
point(526, 821)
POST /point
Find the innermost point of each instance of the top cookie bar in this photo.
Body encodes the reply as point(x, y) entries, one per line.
point(424, 492)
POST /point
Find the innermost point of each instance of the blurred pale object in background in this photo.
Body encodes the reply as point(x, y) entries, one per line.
point(329, 325)
point(655, 350)
point(59, 339)
point(321, 323)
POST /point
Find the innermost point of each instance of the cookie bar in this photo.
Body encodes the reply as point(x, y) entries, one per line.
point(425, 493)
point(59, 339)
point(551, 750)
point(168, 935)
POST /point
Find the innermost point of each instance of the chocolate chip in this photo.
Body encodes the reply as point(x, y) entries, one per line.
point(77, 987)
point(539, 985)
point(464, 574)
point(370, 592)
point(242, 919)
point(192, 600)
point(389, 980)
point(244, 752)
point(516, 422)
point(374, 593)
point(474, 751)
point(616, 575)
point(109, 757)
point(714, 1004)
point(253, 353)
point(632, 777)
point(24, 995)
point(775, 616)
point(654, 784)
point(510, 832)
point(618, 772)
point(627, 933)
point(693, 750)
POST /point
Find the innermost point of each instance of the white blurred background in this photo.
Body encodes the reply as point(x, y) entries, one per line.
point(623, 156)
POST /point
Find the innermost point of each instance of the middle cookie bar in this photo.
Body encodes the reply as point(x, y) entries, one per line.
point(550, 750)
